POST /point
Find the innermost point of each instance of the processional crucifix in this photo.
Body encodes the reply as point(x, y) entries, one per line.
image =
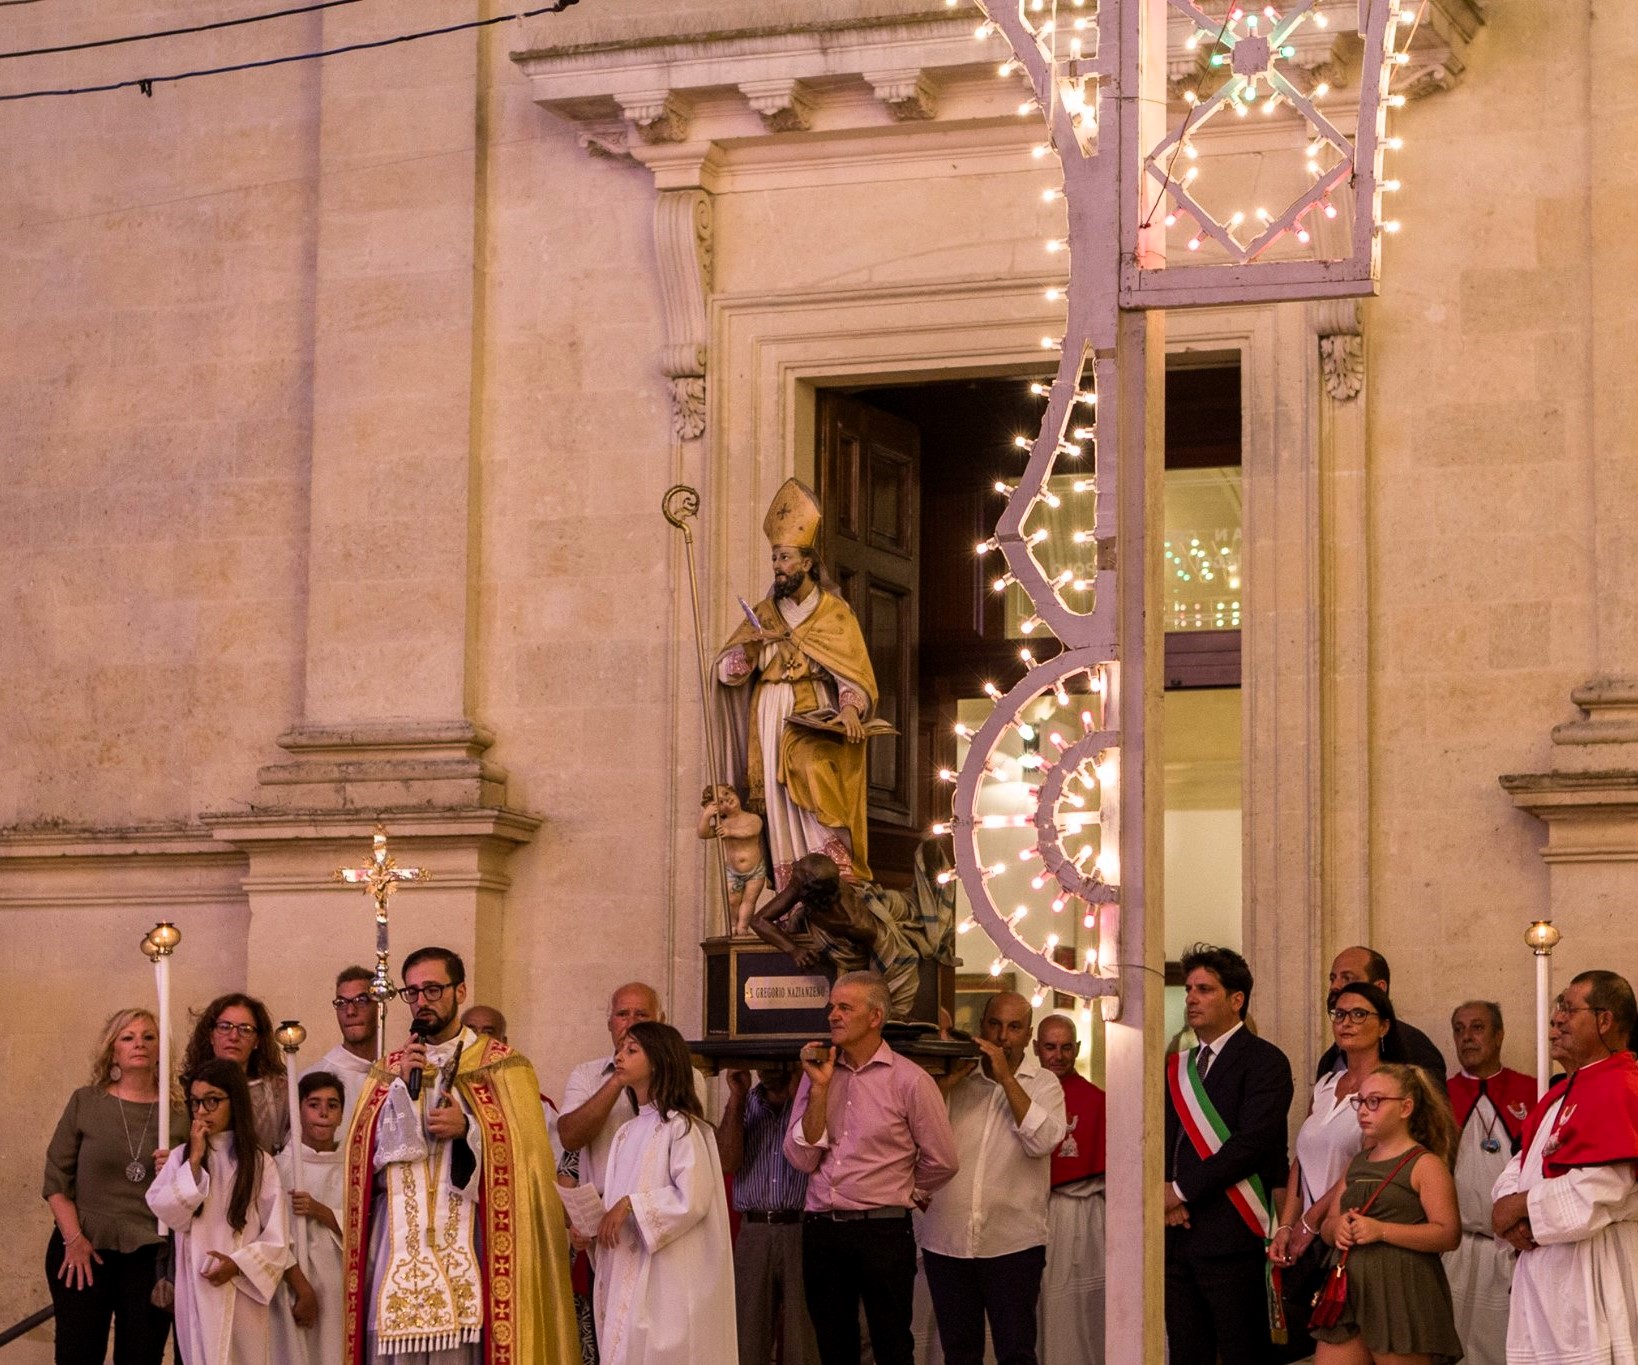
point(380, 877)
point(1097, 75)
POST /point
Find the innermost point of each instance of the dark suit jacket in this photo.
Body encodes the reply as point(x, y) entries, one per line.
point(1250, 1085)
point(1418, 1045)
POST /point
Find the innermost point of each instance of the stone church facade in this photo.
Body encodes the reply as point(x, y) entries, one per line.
point(339, 401)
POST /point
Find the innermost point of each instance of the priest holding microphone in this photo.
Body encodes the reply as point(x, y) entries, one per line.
point(456, 1249)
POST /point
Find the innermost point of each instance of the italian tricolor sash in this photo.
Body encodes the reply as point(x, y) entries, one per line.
point(1207, 1132)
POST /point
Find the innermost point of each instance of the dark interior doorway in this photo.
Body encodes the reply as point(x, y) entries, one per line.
point(907, 476)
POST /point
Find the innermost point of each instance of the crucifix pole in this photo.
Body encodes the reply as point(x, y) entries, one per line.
point(380, 877)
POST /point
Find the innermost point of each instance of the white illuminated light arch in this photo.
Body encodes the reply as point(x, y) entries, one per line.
point(1088, 79)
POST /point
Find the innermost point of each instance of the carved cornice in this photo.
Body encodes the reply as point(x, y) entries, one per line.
point(1589, 801)
point(748, 84)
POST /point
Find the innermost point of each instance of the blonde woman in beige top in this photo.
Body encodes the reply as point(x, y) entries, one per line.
point(101, 1260)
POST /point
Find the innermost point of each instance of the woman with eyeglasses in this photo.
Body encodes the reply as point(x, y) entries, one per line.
point(220, 1194)
point(237, 1028)
point(1362, 1026)
point(1393, 1214)
point(102, 1260)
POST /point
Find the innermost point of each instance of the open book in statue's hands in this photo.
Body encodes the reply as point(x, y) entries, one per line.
point(828, 720)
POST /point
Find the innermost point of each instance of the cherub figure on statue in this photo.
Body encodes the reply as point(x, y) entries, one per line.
point(723, 817)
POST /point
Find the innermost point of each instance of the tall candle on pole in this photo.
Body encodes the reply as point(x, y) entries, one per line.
point(1542, 938)
point(380, 877)
point(291, 1035)
point(157, 946)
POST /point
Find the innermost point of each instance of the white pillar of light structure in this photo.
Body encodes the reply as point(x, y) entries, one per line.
point(1096, 71)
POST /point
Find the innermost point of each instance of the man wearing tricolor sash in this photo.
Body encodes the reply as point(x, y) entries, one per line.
point(1490, 1103)
point(1227, 1102)
point(1568, 1202)
point(455, 1249)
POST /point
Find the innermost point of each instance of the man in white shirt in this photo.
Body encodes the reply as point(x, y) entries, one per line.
point(595, 1105)
point(350, 1060)
point(1568, 1202)
point(595, 1108)
point(983, 1238)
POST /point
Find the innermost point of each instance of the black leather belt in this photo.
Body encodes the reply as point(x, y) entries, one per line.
point(771, 1215)
point(855, 1215)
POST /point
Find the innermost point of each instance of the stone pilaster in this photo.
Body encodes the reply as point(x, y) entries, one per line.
point(1588, 800)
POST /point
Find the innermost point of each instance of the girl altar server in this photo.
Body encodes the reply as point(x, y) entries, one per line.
point(665, 1276)
point(221, 1196)
point(307, 1315)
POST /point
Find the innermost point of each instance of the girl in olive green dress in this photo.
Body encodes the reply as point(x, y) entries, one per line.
point(1399, 1306)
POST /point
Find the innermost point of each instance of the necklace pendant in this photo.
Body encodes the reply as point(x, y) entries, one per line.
point(136, 1172)
point(1491, 1144)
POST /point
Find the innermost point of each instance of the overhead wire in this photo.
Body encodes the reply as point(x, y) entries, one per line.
point(146, 83)
point(169, 32)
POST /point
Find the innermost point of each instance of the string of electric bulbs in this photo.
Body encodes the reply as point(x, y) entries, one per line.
point(146, 84)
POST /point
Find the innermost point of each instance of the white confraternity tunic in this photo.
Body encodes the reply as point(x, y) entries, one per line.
point(1071, 1310)
point(665, 1294)
point(1575, 1297)
point(1480, 1270)
point(317, 1251)
point(227, 1324)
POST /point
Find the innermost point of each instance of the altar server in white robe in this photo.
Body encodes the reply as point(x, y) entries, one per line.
point(1569, 1202)
point(664, 1292)
point(221, 1196)
point(309, 1310)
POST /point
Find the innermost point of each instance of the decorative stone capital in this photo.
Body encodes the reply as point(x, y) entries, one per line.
point(657, 115)
point(908, 94)
point(1342, 361)
point(785, 105)
point(684, 246)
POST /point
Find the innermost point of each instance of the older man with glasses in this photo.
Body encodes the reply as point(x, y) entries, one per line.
point(456, 1249)
point(350, 1060)
point(1568, 1200)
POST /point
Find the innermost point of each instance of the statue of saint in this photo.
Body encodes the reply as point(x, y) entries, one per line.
point(859, 926)
point(802, 657)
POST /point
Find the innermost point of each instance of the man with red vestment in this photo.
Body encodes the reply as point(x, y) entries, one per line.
point(1071, 1322)
point(1568, 1203)
point(455, 1246)
point(1491, 1103)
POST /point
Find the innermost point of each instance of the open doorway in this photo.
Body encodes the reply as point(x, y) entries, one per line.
point(907, 475)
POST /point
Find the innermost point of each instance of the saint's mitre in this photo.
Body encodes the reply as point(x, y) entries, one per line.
point(793, 516)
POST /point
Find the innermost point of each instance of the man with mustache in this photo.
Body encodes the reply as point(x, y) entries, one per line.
point(1568, 1202)
point(805, 655)
point(454, 1229)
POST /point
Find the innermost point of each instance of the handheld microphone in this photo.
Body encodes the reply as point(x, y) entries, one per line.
point(417, 1030)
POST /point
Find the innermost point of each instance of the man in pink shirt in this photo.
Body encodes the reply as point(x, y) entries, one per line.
point(871, 1130)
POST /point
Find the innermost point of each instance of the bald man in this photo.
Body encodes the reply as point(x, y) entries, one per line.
point(983, 1239)
point(595, 1104)
point(1072, 1286)
point(1360, 963)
